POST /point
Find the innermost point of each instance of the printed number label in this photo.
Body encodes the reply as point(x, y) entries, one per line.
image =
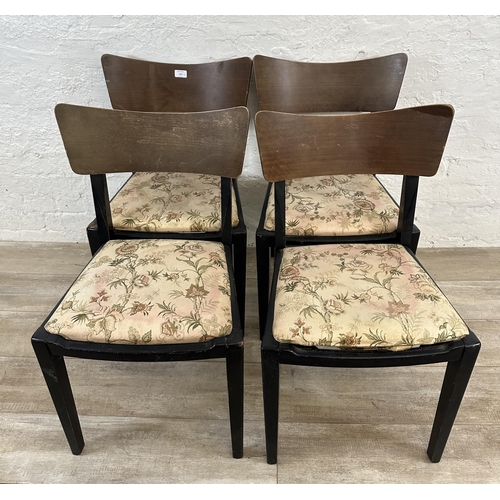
point(180, 73)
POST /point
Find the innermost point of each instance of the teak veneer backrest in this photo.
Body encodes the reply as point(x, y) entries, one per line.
point(99, 141)
point(407, 141)
point(305, 87)
point(139, 85)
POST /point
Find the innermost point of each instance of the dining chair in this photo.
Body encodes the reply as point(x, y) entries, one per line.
point(349, 207)
point(176, 204)
point(365, 304)
point(149, 299)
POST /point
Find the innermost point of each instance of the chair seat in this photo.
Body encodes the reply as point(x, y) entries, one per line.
point(148, 292)
point(169, 202)
point(371, 296)
point(336, 205)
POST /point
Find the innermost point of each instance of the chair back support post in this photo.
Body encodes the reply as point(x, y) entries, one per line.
point(226, 211)
point(280, 214)
point(101, 205)
point(408, 203)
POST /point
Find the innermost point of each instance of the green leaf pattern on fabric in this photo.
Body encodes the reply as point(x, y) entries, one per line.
point(169, 202)
point(148, 292)
point(336, 205)
point(360, 296)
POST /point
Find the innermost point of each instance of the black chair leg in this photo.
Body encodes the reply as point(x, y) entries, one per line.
point(234, 368)
point(94, 241)
point(263, 262)
point(56, 377)
point(270, 385)
point(454, 385)
point(240, 272)
point(415, 237)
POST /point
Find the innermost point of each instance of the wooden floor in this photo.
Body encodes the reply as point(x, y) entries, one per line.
point(168, 423)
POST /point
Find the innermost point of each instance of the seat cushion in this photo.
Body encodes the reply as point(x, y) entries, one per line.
point(148, 292)
point(336, 205)
point(169, 202)
point(370, 296)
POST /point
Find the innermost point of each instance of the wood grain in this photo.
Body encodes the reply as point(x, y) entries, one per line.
point(407, 141)
point(140, 85)
point(304, 87)
point(385, 454)
point(99, 141)
point(129, 451)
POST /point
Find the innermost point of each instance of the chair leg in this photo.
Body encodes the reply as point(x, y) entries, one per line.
point(234, 369)
point(455, 382)
point(263, 262)
point(415, 237)
point(56, 377)
point(240, 272)
point(94, 241)
point(270, 386)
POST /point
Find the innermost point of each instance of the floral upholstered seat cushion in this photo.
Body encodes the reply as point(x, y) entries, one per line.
point(148, 292)
point(169, 202)
point(371, 296)
point(336, 205)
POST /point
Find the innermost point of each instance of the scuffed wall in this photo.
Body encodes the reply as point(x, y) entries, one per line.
point(50, 59)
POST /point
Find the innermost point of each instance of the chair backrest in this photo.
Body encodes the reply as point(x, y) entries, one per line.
point(405, 141)
point(409, 142)
point(99, 141)
point(306, 87)
point(139, 85)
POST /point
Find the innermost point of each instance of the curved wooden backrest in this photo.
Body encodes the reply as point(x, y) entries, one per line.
point(138, 85)
point(306, 87)
point(99, 141)
point(405, 141)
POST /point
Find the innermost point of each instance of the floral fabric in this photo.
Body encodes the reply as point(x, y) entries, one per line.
point(371, 296)
point(335, 205)
point(164, 202)
point(148, 292)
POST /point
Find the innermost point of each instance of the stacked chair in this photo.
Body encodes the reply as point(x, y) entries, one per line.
point(176, 204)
point(349, 207)
point(167, 277)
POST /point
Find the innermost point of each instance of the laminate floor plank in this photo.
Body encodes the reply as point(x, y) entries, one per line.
point(130, 451)
point(461, 264)
point(474, 299)
point(381, 453)
point(186, 390)
point(16, 329)
point(26, 292)
point(43, 258)
point(179, 390)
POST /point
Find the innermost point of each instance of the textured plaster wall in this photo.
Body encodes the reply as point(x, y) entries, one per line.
point(50, 59)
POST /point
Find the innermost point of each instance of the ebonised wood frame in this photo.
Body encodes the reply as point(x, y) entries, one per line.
point(96, 142)
point(411, 142)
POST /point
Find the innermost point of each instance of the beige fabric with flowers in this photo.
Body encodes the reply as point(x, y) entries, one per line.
point(169, 202)
point(372, 296)
point(336, 205)
point(148, 292)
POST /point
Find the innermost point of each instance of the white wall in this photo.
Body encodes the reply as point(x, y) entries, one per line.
point(50, 59)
